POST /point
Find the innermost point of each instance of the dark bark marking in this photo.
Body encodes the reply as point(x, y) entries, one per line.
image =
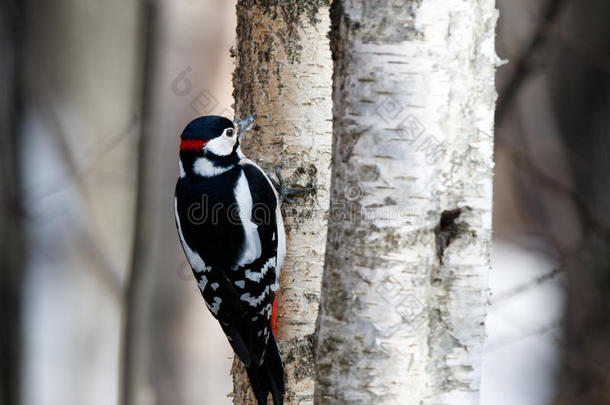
point(448, 230)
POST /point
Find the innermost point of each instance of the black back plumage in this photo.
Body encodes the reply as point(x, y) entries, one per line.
point(211, 225)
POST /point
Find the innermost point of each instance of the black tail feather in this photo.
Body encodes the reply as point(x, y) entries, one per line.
point(269, 376)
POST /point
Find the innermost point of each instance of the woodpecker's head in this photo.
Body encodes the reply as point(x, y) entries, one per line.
point(210, 145)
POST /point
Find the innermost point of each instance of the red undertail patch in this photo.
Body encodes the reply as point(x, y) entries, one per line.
point(274, 318)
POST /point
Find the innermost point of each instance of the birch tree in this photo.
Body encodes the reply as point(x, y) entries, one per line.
point(404, 291)
point(283, 74)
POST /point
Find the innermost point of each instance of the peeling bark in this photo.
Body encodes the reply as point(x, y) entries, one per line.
point(404, 291)
point(283, 74)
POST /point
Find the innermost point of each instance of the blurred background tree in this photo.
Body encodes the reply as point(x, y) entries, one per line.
point(11, 207)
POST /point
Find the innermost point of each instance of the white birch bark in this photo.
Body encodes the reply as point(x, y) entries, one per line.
point(283, 74)
point(404, 294)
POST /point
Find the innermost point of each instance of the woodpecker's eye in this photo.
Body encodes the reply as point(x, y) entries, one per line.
point(230, 132)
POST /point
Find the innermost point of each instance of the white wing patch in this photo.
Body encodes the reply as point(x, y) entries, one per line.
point(257, 276)
point(281, 234)
point(255, 301)
point(266, 311)
point(215, 306)
point(193, 257)
point(202, 282)
point(206, 168)
point(281, 241)
point(252, 244)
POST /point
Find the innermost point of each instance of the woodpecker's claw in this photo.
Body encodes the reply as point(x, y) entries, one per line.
point(285, 192)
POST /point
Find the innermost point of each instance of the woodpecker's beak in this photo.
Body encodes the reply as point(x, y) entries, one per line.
point(245, 124)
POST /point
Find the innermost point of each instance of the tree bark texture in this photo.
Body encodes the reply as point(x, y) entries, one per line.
point(283, 74)
point(404, 292)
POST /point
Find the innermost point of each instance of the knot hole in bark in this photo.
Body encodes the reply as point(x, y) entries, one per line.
point(447, 230)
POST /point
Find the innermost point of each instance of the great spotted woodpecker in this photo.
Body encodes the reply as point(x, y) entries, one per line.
point(230, 226)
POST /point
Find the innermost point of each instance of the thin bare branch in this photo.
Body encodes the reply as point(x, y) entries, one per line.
point(524, 65)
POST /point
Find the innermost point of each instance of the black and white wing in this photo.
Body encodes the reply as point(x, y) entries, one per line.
point(257, 281)
point(236, 255)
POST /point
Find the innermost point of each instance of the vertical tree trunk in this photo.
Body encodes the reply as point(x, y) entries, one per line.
point(11, 210)
point(283, 74)
point(136, 301)
point(405, 282)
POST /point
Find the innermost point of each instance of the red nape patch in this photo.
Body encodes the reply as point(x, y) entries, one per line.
point(192, 144)
point(274, 318)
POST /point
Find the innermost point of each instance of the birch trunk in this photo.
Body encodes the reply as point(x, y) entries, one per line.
point(404, 292)
point(283, 74)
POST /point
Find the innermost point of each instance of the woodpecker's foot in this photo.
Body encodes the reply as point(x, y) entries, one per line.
point(284, 192)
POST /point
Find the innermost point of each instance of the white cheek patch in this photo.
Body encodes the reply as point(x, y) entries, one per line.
point(222, 145)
